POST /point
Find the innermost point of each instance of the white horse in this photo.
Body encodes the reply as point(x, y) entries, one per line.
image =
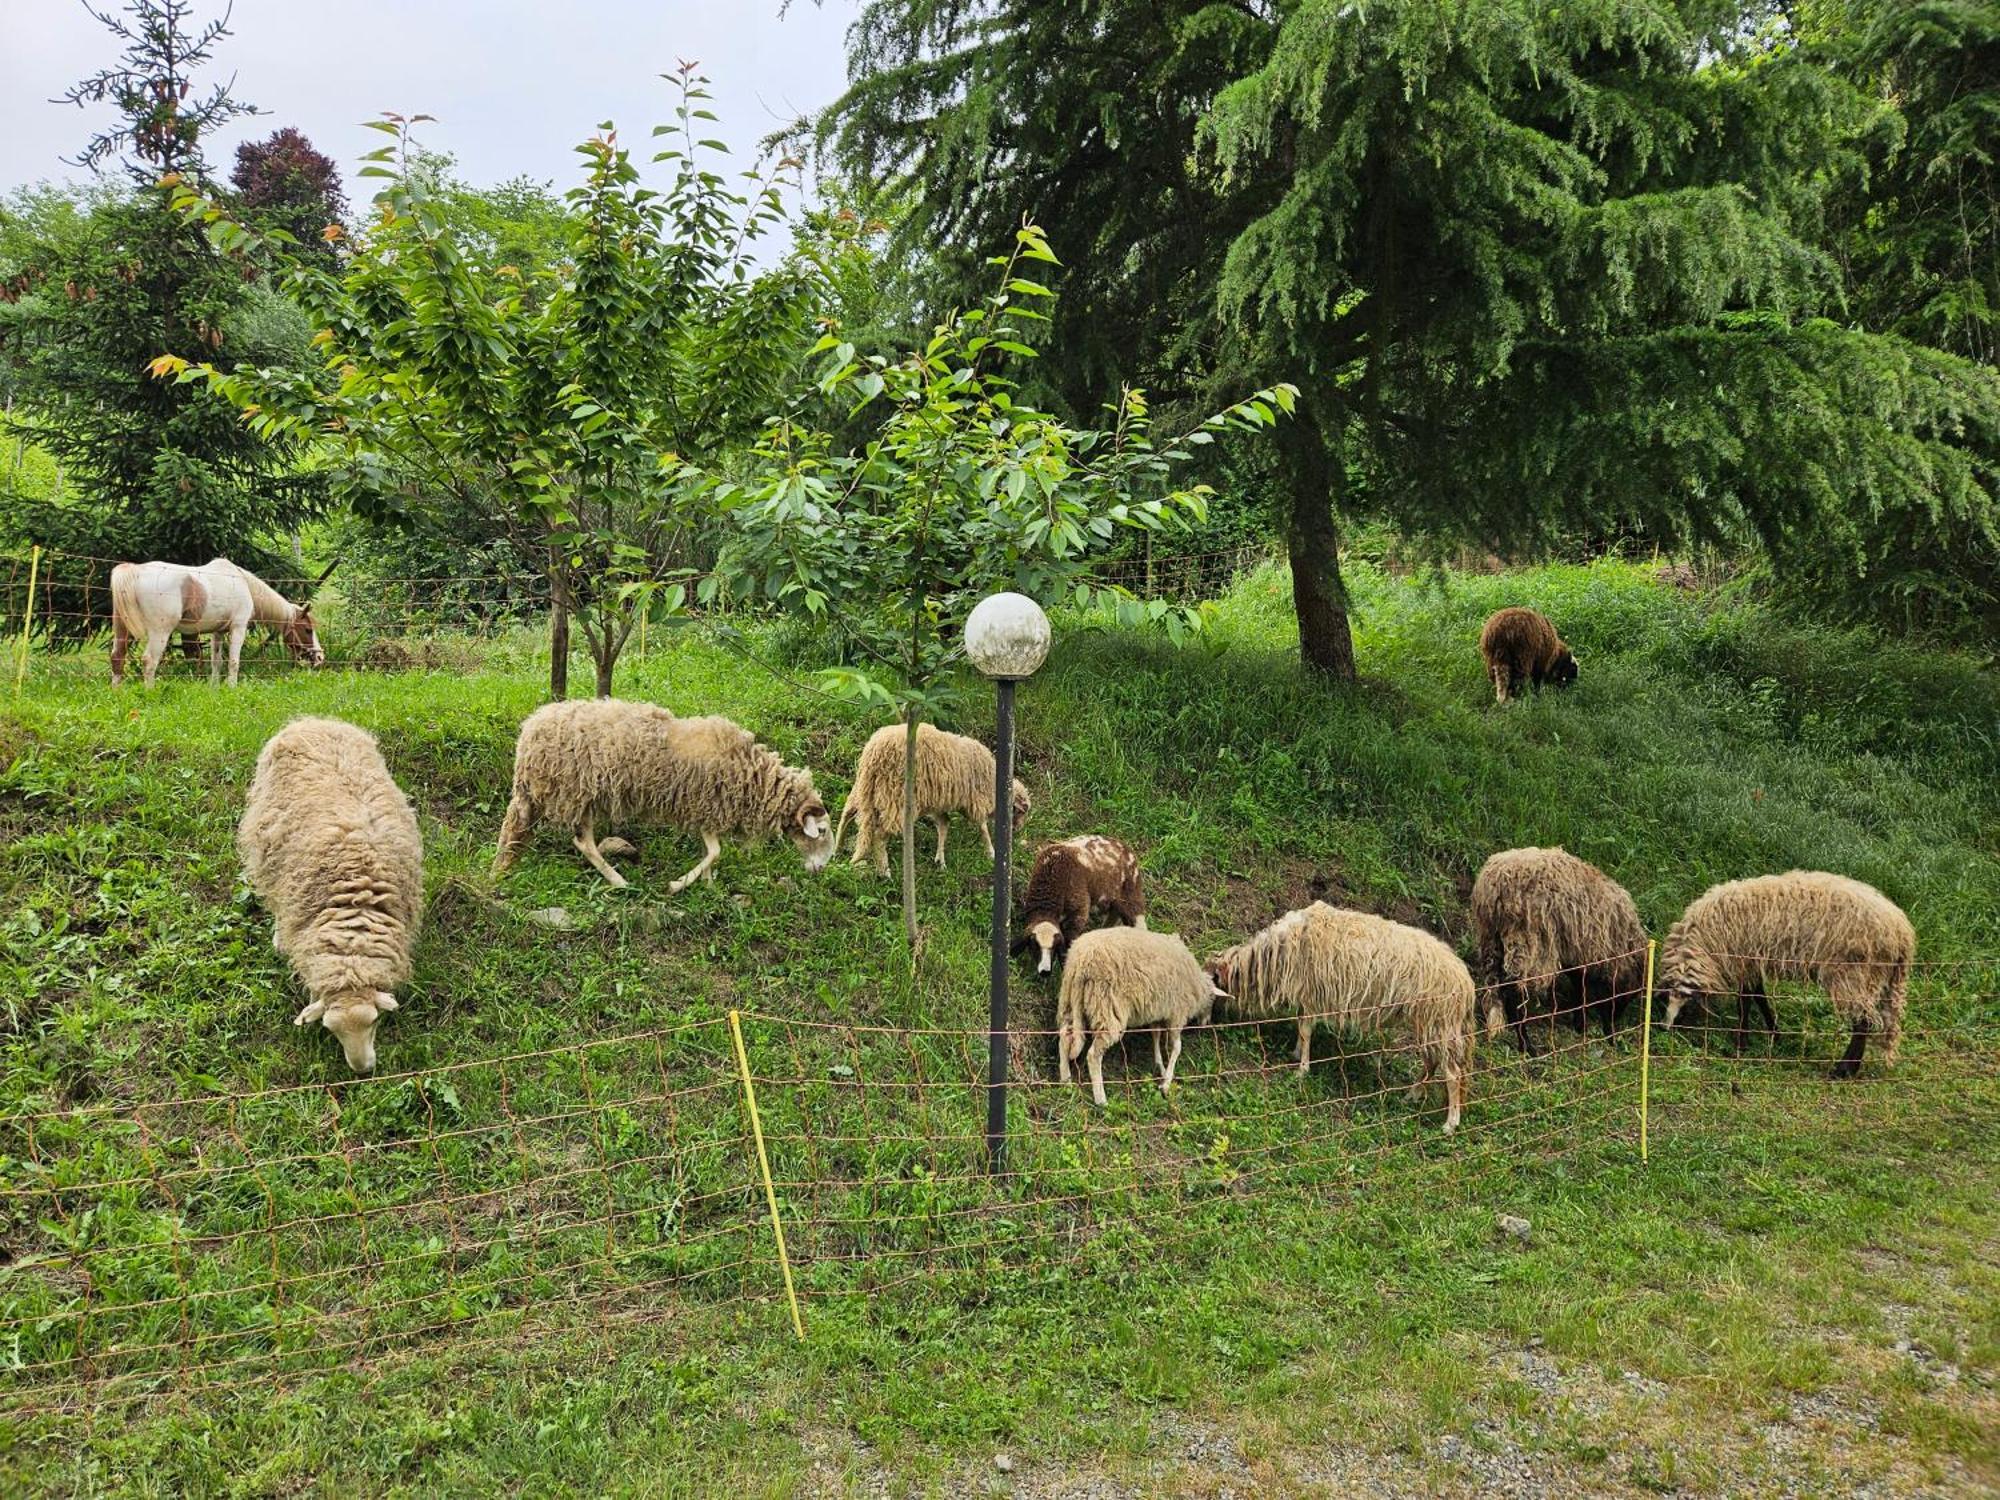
point(152, 600)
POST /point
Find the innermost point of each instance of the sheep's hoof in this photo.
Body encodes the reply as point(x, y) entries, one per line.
point(615, 846)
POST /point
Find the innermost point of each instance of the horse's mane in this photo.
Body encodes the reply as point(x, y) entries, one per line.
point(267, 605)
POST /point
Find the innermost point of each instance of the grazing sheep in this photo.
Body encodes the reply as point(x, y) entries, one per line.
point(1349, 969)
point(1546, 920)
point(331, 847)
point(1070, 882)
point(1826, 929)
point(1520, 645)
point(602, 758)
point(1121, 977)
point(954, 775)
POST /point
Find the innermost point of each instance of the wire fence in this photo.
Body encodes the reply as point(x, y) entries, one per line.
point(55, 614)
point(756, 1166)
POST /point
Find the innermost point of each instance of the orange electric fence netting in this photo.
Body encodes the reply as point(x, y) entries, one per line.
point(444, 622)
point(257, 1238)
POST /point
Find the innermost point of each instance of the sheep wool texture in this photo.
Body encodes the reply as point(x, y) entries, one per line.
point(1539, 912)
point(1073, 880)
point(1121, 977)
point(620, 761)
point(330, 844)
point(1354, 971)
point(954, 775)
point(1521, 646)
point(1806, 925)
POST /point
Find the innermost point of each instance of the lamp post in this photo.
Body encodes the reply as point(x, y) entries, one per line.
point(1007, 638)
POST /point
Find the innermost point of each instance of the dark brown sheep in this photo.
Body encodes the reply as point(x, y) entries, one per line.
point(1521, 646)
point(1073, 881)
point(1556, 932)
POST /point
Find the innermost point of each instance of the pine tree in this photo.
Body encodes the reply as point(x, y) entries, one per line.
point(159, 470)
point(1534, 266)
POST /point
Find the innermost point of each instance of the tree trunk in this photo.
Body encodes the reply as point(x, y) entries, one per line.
point(910, 833)
point(558, 629)
point(1326, 643)
point(604, 669)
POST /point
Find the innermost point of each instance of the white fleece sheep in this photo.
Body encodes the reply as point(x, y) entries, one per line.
point(331, 847)
point(602, 758)
point(1121, 977)
point(954, 775)
point(1355, 971)
point(1739, 936)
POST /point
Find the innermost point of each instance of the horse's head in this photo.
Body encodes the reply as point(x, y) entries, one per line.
point(302, 640)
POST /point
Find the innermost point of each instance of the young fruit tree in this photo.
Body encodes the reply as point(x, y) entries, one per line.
point(959, 488)
point(585, 394)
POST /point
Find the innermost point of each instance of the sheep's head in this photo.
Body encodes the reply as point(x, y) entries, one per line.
point(1563, 670)
point(1023, 804)
point(812, 832)
point(1220, 971)
point(1215, 992)
point(1047, 939)
point(353, 1018)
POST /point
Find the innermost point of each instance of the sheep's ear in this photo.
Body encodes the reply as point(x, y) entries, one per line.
point(384, 1000)
point(312, 1012)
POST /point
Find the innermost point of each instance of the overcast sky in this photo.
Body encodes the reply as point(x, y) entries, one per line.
point(515, 84)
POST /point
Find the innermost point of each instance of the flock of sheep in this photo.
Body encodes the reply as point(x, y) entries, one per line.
point(331, 846)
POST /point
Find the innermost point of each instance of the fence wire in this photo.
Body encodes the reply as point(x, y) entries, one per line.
point(255, 1239)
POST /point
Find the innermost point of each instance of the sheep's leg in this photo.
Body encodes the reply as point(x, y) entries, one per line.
point(1454, 1097)
point(1158, 1065)
point(1305, 1044)
point(939, 822)
point(514, 830)
point(1173, 1057)
point(1499, 675)
point(1850, 1061)
point(1757, 998)
point(1742, 1019)
point(586, 845)
point(703, 871)
point(1096, 1060)
point(985, 832)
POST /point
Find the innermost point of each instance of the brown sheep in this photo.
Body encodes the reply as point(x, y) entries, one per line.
point(1547, 921)
point(1521, 645)
point(588, 759)
point(1071, 882)
point(1849, 937)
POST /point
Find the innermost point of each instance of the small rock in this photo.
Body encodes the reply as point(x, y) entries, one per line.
point(1535, 1342)
point(557, 917)
point(1518, 1227)
point(741, 898)
point(1003, 1463)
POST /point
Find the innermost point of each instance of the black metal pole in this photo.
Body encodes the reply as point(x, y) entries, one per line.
point(1003, 918)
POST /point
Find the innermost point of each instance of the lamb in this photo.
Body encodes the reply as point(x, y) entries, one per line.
point(1332, 967)
point(1521, 645)
point(954, 775)
point(1826, 929)
point(331, 847)
point(1118, 978)
point(605, 759)
point(1070, 882)
point(1545, 919)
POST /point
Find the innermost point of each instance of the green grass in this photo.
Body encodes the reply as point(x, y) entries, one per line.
point(555, 1272)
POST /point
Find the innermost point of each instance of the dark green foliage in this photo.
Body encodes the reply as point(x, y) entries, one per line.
point(162, 120)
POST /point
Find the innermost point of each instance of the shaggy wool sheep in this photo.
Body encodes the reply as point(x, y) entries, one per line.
point(1071, 881)
point(1118, 978)
point(331, 847)
point(1331, 967)
point(1521, 645)
point(1552, 927)
point(1826, 929)
point(954, 775)
point(605, 759)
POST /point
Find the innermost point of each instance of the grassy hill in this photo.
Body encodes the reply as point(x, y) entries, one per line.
point(555, 1271)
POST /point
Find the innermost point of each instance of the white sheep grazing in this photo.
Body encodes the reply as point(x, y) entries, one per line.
point(602, 758)
point(331, 847)
point(1121, 977)
point(1355, 971)
point(954, 775)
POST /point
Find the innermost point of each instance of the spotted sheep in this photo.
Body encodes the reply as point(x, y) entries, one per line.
point(1071, 883)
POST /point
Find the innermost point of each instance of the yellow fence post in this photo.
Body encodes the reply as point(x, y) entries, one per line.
point(1646, 1048)
point(764, 1166)
point(27, 619)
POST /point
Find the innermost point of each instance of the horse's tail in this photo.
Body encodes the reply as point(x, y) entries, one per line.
point(124, 599)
